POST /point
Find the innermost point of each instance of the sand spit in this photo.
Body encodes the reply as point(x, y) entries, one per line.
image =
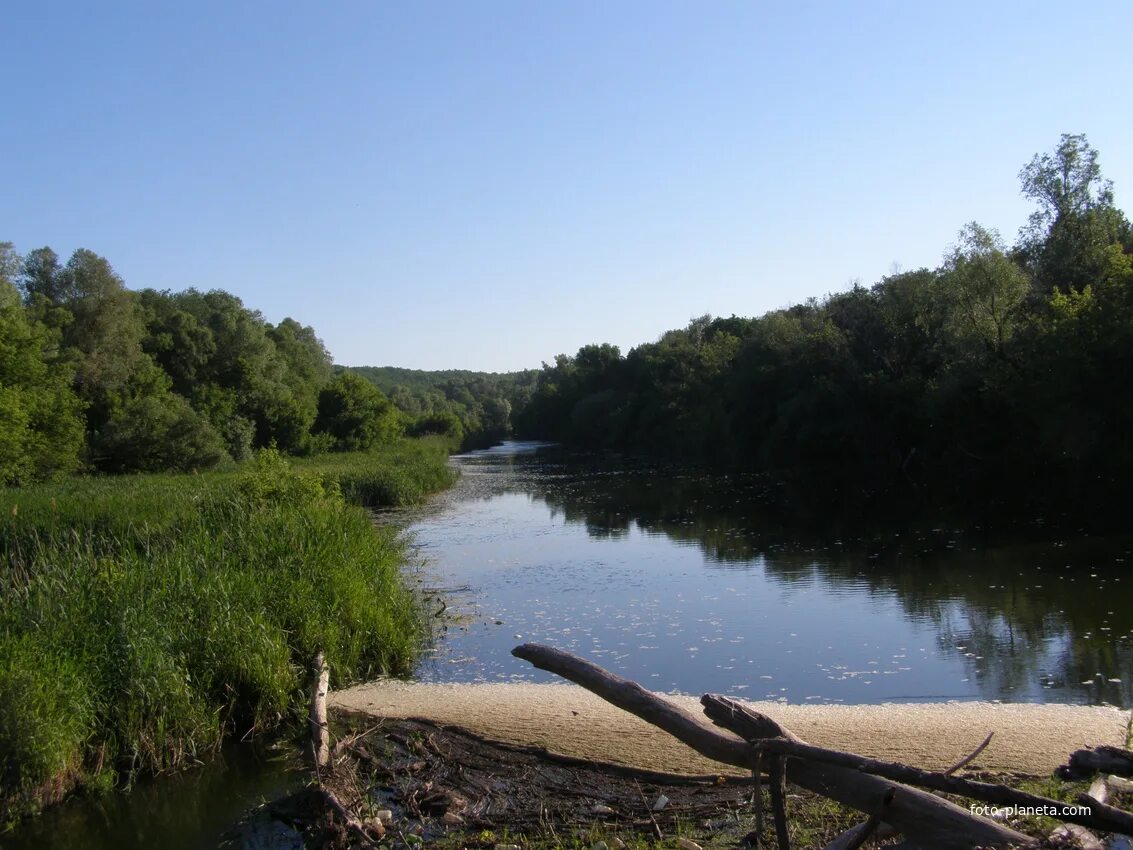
point(1029, 739)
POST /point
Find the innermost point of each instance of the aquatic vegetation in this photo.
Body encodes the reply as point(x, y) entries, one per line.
point(144, 618)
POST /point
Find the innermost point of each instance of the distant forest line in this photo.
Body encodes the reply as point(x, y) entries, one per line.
point(996, 380)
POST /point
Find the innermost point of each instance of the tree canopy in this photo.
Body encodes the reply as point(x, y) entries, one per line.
point(992, 381)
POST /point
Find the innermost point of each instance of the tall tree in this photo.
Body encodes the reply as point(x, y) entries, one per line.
point(41, 426)
point(982, 289)
point(1067, 238)
point(102, 330)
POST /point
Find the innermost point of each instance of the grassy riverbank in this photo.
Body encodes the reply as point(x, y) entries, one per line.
point(143, 618)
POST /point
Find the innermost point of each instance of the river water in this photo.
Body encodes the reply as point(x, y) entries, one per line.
point(691, 582)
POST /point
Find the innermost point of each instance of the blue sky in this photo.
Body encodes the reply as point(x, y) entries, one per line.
point(484, 185)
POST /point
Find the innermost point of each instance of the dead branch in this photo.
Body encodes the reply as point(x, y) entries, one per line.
point(928, 819)
point(777, 783)
point(1100, 815)
point(1103, 759)
point(970, 757)
point(320, 732)
point(1099, 790)
point(349, 821)
point(855, 837)
point(757, 796)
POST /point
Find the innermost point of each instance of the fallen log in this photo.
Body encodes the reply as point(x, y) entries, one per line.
point(1101, 816)
point(926, 819)
point(856, 836)
point(1103, 759)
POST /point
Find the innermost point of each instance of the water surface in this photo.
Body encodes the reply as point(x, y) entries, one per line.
point(690, 582)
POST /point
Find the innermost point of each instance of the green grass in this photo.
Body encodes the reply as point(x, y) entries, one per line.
point(143, 618)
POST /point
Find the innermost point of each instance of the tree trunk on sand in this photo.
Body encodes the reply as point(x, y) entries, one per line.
point(927, 820)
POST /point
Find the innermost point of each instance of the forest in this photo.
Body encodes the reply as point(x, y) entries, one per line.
point(995, 382)
point(474, 407)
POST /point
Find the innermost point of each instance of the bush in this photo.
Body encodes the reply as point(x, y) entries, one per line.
point(356, 414)
point(157, 432)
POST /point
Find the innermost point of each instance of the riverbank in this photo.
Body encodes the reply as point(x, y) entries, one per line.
point(1029, 739)
point(145, 618)
point(410, 782)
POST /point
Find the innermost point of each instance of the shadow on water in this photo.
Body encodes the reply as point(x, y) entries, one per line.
point(694, 581)
point(195, 810)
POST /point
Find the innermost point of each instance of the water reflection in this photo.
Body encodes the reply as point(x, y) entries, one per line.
point(188, 811)
point(696, 582)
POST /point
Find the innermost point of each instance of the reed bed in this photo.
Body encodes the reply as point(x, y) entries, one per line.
point(144, 618)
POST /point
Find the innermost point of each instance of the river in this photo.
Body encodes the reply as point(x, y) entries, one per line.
point(693, 582)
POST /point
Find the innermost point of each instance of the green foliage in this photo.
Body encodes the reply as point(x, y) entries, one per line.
point(403, 473)
point(156, 380)
point(157, 432)
point(485, 404)
point(41, 431)
point(142, 619)
point(982, 291)
point(1069, 235)
point(444, 424)
point(356, 414)
point(994, 382)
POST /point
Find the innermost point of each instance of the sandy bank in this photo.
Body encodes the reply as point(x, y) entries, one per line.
point(1031, 739)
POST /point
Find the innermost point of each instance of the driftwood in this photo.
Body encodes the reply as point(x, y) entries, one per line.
point(1101, 816)
point(320, 731)
point(1102, 759)
point(1118, 785)
point(925, 819)
point(855, 837)
point(1099, 790)
point(1073, 835)
point(352, 824)
point(777, 784)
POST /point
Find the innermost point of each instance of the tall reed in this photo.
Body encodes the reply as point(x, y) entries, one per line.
point(143, 618)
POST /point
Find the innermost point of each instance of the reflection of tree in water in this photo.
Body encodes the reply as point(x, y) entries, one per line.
point(1016, 612)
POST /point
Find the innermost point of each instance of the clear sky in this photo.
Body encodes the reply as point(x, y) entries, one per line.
point(484, 185)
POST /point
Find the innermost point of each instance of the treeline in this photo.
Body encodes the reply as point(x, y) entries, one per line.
point(96, 376)
point(999, 379)
point(475, 408)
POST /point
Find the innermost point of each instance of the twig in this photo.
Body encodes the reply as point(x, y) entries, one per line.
point(649, 811)
point(757, 796)
point(970, 757)
point(349, 820)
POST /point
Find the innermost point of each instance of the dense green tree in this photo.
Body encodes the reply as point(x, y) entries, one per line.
point(356, 415)
point(176, 340)
point(994, 382)
point(157, 432)
point(486, 404)
point(246, 373)
point(41, 426)
point(444, 424)
point(1068, 236)
point(982, 292)
point(102, 330)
